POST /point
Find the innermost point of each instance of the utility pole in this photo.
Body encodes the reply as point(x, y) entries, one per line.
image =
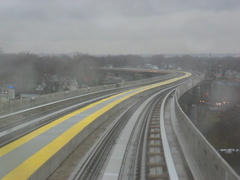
point(210, 65)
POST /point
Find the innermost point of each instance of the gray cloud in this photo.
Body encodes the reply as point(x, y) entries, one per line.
point(110, 26)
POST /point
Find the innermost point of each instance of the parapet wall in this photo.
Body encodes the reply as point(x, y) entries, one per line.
point(10, 106)
point(203, 160)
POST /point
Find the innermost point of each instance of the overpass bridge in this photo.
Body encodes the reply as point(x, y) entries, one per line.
point(170, 148)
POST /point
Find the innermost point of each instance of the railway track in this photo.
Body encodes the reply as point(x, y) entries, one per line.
point(131, 148)
point(17, 124)
point(151, 162)
point(97, 161)
point(90, 166)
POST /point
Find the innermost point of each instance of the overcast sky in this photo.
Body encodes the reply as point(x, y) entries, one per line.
point(120, 26)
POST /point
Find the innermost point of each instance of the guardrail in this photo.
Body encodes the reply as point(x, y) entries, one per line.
point(203, 160)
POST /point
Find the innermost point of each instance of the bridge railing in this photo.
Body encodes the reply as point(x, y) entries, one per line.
point(204, 161)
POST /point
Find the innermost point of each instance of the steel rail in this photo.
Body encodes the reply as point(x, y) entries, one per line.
point(19, 123)
point(143, 163)
point(142, 140)
point(10, 133)
point(71, 100)
point(89, 167)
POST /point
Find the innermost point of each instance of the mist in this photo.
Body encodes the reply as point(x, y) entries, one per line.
point(120, 27)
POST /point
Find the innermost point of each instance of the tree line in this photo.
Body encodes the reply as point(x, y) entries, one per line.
point(28, 69)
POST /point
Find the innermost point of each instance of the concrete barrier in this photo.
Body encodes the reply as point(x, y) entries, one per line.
point(10, 106)
point(203, 160)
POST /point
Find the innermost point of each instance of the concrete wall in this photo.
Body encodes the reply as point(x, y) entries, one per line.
point(10, 106)
point(204, 161)
point(20, 104)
